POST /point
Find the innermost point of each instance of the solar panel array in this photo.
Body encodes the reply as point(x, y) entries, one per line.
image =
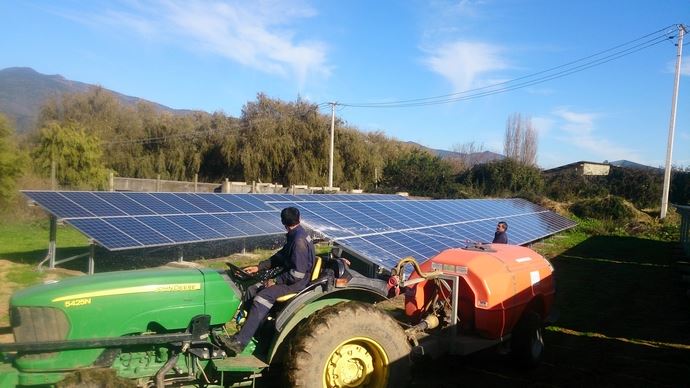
point(384, 232)
point(123, 220)
point(379, 228)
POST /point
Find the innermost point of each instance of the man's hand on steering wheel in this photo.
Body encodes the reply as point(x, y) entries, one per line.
point(252, 269)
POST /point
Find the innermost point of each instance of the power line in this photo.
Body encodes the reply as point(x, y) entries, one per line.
point(159, 139)
point(657, 37)
point(651, 39)
point(505, 89)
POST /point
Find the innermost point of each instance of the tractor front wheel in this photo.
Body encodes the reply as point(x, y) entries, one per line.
point(350, 344)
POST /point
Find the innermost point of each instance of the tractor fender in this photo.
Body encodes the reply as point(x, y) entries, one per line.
point(306, 304)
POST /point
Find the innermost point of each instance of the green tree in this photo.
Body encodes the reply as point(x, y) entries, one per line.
point(504, 178)
point(283, 142)
point(420, 173)
point(572, 185)
point(680, 187)
point(641, 187)
point(77, 156)
point(11, 161)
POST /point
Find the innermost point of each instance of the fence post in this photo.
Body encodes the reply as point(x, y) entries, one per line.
point(158, 182)
point(111, 182)
point(196, 181)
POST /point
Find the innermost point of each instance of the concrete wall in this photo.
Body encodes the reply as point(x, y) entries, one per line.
point(161, 185)
point(595, 169)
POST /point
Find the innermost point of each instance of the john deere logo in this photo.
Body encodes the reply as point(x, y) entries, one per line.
point(85, 297)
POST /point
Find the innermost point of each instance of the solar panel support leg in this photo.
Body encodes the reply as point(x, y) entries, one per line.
point(92, 254)
point(52, 244)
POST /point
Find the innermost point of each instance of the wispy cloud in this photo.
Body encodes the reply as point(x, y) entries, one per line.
point(579, 130)
point(459, 8)
point(466, 64)
point(259, 35)
point(685, 66)
point(543, 125)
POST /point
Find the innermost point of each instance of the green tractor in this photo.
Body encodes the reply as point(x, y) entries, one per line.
point(160, 327)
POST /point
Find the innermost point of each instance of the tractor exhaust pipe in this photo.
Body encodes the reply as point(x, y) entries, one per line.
point(160, 375)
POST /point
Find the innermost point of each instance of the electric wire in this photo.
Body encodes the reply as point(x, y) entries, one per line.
point(521, 85)
point(657, 37)
point(162, 138)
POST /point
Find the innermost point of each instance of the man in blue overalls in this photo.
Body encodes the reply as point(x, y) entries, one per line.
point(297, 257)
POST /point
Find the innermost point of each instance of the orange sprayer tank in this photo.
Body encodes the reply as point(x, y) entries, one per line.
point(496, 286)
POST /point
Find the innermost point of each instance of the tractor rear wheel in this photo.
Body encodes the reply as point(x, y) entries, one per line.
point(350, 344)
point(527, 343)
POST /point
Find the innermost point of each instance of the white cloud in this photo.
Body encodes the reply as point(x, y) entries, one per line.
point(684, 66)
point(257, 34)
point(464, 63)
point(580, 131)
point(543, 125)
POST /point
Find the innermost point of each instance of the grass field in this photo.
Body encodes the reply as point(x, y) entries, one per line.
point(27, 242)
point(624, 317)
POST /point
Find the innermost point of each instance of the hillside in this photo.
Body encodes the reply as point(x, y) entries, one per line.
point(23, 90)
point(635, 166)
point(474, 158)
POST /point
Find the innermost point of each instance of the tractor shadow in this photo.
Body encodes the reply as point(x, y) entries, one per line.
point(624, 320)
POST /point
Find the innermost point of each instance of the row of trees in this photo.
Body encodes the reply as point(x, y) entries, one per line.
point(82, 137)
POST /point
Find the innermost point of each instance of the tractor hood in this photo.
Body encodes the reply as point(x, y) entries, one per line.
point(136, 301)
point(100, 287)
point(116, 304)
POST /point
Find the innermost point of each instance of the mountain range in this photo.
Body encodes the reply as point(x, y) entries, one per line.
point(23, 91)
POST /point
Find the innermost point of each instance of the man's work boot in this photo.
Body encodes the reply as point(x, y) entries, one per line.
point(231, 345)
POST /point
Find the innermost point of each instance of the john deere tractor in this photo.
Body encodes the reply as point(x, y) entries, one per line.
point(161, 327)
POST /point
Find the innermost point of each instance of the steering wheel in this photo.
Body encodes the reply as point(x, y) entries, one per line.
point(238, 273)
point(260, 276)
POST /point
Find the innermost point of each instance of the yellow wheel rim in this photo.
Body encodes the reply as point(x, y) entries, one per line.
point(357, 362)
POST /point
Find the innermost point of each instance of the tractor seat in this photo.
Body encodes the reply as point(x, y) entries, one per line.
point(314, 276)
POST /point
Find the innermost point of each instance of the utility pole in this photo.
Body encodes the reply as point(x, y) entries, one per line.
point(672, 125)
point(330, 156)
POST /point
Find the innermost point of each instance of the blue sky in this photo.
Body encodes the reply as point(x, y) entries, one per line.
point(217, 55)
